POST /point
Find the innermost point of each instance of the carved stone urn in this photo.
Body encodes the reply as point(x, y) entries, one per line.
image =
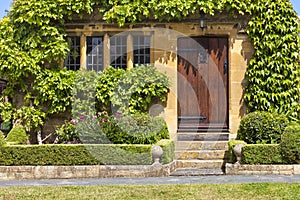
point(157, 152)
point(238, 153)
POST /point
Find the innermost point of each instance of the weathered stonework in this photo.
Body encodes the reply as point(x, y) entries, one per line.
point(93, 171)
point(235, 169)
point(130, 171)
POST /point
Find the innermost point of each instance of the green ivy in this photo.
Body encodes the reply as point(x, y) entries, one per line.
point(273, 72)
point(54, 89)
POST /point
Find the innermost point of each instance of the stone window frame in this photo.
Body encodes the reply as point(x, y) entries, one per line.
point(106, 53)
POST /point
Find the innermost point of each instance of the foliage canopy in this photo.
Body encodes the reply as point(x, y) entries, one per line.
point(32, 46)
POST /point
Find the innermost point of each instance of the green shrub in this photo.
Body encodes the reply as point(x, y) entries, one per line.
point(84, 90)
point(89, 131)
point(67, 133)
point(290, 144)
point(116, 129)
point(6, 125)
point(138, 88)
point(2, 140)
point(231, 145)
point(17, 135)
point(135, 129)
point(106, 84)
point(262, 128)
point(168, 147)
point(256, 154)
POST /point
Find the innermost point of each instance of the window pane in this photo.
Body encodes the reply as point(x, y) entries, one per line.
point(94, 53)
point(118, 51)
point(141, 45)
point(72, 61)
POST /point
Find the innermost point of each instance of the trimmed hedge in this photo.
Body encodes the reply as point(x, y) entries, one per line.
point(261, 154)
point(262, 127)
point(168, 147)
point(231, 145)
point(290, 144)
point(97, 154)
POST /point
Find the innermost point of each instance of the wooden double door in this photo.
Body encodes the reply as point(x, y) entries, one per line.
point(202, 83)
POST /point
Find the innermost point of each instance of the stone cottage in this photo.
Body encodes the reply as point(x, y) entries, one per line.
point(205, 57)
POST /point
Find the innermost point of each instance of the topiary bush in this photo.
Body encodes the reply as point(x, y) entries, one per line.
point(262, 127)
point(2, 140)
point(168, 147)
point(17, 135)
point(290, 144)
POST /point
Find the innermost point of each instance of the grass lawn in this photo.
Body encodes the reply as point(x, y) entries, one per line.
point(141, 192)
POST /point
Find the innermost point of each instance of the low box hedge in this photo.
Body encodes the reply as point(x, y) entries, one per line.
point(261, 154)
point(168, 147)
point(83, 154)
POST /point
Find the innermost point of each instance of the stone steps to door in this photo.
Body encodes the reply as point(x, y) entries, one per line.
point(197, 172)
point(203, 153)
point(199, 167)
point(192, 136)
point(201, 164)
point(201, 145)
point(199, 130)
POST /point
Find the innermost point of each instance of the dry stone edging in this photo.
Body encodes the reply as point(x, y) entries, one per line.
point(85, 171)
point(240, 169)
point(130, 171)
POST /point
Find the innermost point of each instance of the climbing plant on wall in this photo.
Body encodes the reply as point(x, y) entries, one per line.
point(31, 50)
point(33, 47)
point(273, 72)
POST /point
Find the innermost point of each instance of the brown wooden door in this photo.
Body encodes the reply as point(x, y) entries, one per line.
point(202, 83)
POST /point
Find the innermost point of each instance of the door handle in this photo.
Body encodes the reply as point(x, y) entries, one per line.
point(225, 66)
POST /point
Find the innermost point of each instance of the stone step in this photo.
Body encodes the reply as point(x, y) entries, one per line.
point(201, 145)
point(202, 154)
point(196, 172)
point(201, 164)
point(199, 130)
point(186, 136)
